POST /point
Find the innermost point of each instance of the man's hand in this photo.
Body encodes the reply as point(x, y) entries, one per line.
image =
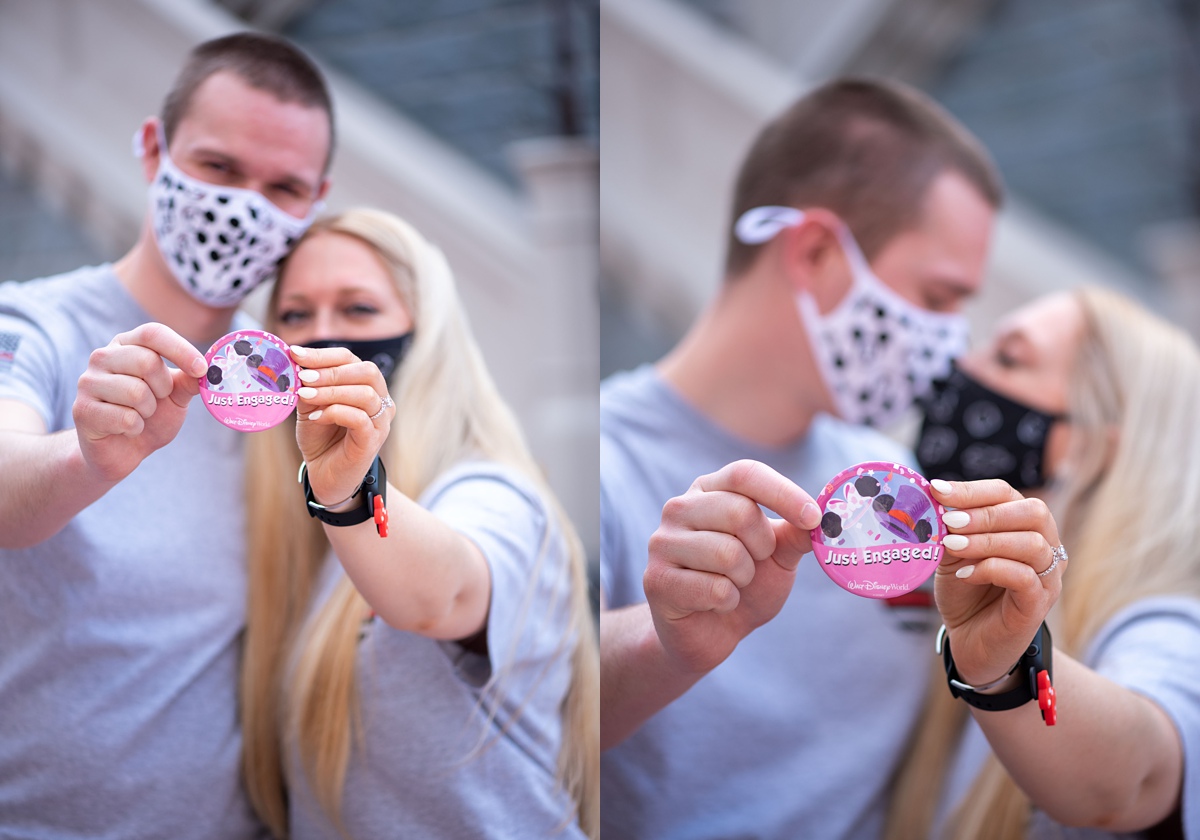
point(719, 567)
point(129, 403)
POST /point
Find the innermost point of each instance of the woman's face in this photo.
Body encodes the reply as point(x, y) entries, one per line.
point(1030, 358)
point(335, 287)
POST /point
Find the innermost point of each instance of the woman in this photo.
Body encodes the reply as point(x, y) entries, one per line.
point(440, 681)
point(1091, 401)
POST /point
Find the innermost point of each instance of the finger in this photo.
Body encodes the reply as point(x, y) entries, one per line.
point(355, 373)
point(363, 397)
point(1018, 579)
point(183, 388)
point(96, 420)
point(324, 357)
point(1027, 547)
point(728, 513)
point(167, 343)
point(120, 390)
point(791, 543)
point(139, 362)
point(360, 430)
point(973, 494)
point(679, 592)
point(767, 487)
point(1021, 515)
point(705, 551)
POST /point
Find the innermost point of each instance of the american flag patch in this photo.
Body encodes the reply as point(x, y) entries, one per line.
point(8, 350)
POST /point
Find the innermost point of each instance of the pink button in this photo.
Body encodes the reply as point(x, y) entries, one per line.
point(881, 531)
point(251, 381)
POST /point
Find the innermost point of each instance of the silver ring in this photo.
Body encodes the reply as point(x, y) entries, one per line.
point(1059, 553)
point(384, 404)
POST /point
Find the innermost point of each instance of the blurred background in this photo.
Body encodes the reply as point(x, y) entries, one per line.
point(474, 119)
point(1090, 107)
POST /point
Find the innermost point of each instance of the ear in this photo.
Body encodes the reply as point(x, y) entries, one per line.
point(811, 256)
point(323, 189)
point(150, 149)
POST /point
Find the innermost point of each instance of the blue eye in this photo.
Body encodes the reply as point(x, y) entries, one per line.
point(361, 309)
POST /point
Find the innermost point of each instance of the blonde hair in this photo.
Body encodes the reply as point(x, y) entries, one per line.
point(448, 409)
point(1133, 399)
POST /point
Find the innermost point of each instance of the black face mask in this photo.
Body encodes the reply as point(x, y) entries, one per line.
point(971, 432)
point(386, 353)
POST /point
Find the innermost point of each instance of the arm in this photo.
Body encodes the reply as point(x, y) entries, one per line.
point(718, 568)
point(128, 405)
point(424, 577)
point(1113, 760)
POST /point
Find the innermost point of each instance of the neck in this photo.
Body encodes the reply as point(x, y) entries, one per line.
point(746, 363)
point(149, 281)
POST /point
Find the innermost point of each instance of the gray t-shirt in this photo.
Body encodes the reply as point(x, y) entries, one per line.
point(417, 773)
point(119, 636)
point(1151, 647)
point(797, 733)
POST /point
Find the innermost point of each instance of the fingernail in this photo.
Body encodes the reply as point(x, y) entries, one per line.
point(965, 572)
point(309, 376)
point(316, 415)
point(941, 486)
point(307, 393)
point(199, 367)
point(953, 518)
point(299, 351)
point(955, 542)
point(810, 513)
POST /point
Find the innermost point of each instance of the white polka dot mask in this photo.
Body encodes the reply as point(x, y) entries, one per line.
point(877, 352)
point(219, 242)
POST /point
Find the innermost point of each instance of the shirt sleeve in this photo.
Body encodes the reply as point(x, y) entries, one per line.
point(530, 574)
point(1153, 648)
point(29, 366)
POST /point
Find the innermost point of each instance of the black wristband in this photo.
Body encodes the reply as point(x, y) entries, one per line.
point(374, 484)
point(1033, 669)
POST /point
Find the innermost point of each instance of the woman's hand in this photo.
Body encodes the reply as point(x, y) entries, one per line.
point(339, 427)
point(988, 587)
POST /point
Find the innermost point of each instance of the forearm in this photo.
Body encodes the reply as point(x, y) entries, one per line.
point(1113, 760)
point(44, 482)
point(637, 679)
point(424, 577)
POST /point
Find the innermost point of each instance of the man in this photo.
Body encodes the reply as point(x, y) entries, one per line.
point(743, 694)
point(122, 582)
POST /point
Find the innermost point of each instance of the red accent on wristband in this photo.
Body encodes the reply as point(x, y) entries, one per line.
point(1047, 698)
point(381, 517)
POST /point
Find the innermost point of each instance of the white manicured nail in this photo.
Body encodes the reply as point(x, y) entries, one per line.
point(952, 518)
point(955, 542)
point(309, 376)
point(965, 572)
point(307, 393)
point(298, 350)
point(316, 415)
point(941, 486)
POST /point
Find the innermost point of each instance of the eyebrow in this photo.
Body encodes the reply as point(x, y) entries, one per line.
point(290, 179)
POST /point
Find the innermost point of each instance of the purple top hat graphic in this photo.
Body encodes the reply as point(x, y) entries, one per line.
point(903, 517)
point(272, 372)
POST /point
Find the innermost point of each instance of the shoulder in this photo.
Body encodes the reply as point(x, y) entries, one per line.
point(480, 495)
point(46, 292)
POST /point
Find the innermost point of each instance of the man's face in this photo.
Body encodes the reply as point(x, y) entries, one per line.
point(235, 135)
point(940, 263)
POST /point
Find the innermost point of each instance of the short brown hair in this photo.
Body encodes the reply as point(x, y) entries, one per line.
point(262, 61)
point(867, 150)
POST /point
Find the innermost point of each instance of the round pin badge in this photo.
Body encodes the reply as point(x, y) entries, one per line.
point(251, 382)
point(881, 531)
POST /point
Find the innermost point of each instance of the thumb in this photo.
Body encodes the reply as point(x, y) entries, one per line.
point(184, 387)
point(791, 543)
